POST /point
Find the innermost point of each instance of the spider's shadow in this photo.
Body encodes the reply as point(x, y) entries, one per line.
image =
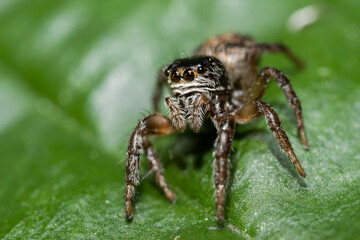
point(195, 145)
point(273, 146)
point(201, 143)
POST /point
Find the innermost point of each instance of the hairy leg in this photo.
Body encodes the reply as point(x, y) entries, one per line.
point(273, 123)
point(253, 110)
point(223, 143)
point(247, 113)
point(157, 168)
point(155, 124)
point(257, 90)
point(281, 48)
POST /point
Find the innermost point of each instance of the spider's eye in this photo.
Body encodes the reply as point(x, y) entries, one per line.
point(175, 76)
point(167, 72)
point(201, 69)
point(188, 75)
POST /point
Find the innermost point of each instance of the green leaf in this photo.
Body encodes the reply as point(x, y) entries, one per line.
point(76, 76)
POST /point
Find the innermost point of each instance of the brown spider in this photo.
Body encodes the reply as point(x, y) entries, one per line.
point(221, 81)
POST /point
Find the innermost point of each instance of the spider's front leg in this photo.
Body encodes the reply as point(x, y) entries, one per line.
point(225, 124)
point(155, 124)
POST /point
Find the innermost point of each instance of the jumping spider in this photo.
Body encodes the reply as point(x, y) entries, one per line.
point(220, 81)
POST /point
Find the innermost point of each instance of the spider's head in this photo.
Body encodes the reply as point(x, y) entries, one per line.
point(199, 74)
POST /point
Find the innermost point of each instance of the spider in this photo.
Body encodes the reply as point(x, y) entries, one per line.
point(220, 81)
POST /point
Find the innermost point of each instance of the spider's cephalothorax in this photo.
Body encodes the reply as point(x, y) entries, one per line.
point(221, 81)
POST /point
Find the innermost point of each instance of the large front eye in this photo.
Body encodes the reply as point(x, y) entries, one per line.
point(188, 75)
point(175, 76)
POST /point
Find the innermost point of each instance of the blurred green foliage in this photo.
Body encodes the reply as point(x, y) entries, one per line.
point(75, 76)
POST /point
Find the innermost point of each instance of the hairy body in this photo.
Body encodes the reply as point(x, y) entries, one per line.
point(220, 81)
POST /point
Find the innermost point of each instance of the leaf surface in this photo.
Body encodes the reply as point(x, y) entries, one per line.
point(75, 77)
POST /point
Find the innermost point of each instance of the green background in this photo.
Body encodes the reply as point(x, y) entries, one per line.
point(76, 76)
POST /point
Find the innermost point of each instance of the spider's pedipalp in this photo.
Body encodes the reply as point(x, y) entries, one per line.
point(197, 109)
point(177, 113)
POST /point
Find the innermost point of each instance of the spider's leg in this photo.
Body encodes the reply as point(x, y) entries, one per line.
point(281, 48)
point(273, 123)
point(257, 90)
point(226, 127)
point(155, 124)
point(253, 110)
point(161, 81)
point(157, 168)
point(247, 113)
